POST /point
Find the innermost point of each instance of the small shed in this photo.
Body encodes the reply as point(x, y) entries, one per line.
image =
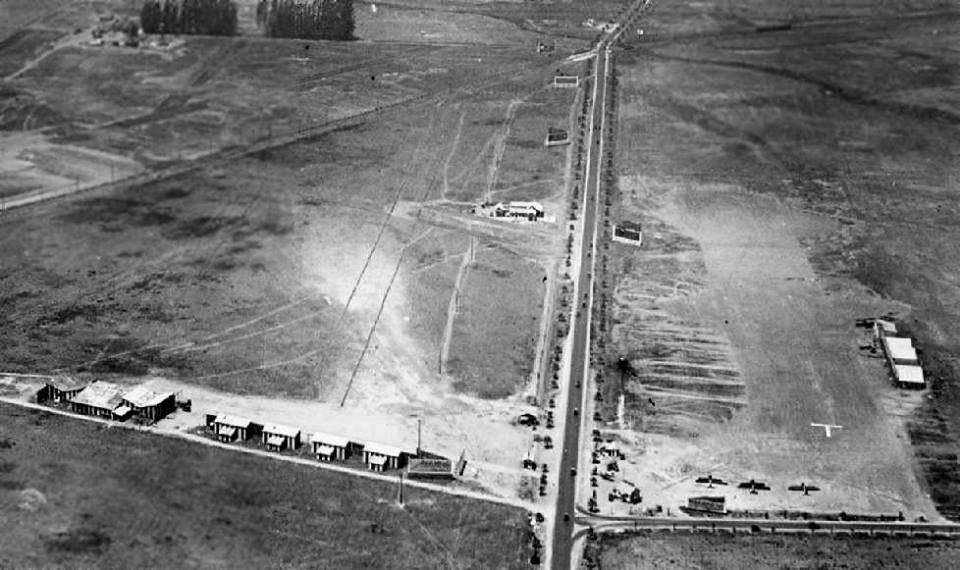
point(380, 457)
point(150, 405)
point(232, 428)
point(102, 399)
point(899, 350)
point(628, 232)
point(279, 437)
point(329, 447)
point(909, 376)
point(61, 389)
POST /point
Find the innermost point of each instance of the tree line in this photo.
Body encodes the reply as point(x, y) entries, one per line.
point(307, 19)
point(203, 17)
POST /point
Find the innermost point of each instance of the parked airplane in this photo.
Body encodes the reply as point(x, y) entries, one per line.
point(803, 487)
point(754, 486)
point(710, 480)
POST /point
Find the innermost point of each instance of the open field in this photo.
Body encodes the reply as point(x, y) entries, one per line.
point(704, 551)
point(74, 494)
point(286, 283)
point(788, 183)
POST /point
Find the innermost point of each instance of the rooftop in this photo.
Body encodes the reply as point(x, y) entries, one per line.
point(900, 348)
point(233, 421)
point(327, 439)
point(140, 397)
point(383, 449)
point(64, 382)
point(277, 429)
point(909, 374)
point(104, 395)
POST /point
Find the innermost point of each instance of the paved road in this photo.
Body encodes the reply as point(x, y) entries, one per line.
point(562, 543)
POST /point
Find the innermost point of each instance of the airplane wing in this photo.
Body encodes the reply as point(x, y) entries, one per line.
point(796, 488)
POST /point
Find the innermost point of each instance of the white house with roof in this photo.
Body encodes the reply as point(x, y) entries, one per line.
point(380, 457)
point(279, 437)
point(329, 447)
point(232, 428)
point(149, 404)
point(529, 210)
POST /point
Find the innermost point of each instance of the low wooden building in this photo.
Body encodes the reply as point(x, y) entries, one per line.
point(101, 399)
point(150, 405)
point(711, 505)
point(232, 428)
point(628, 232)
point(61, 389)
point(330, 447)
point(380, 457)
point(278, 437)
point(430, 468)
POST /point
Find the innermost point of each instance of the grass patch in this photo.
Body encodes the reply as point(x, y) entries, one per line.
point(118, 498)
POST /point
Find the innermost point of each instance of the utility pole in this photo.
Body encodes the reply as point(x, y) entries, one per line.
point(400, 473)
point(418, 437)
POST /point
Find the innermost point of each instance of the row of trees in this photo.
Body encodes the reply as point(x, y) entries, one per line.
point(307, 19)
point(204, 17)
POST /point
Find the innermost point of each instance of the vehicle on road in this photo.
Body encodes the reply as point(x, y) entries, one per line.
point(573, 471)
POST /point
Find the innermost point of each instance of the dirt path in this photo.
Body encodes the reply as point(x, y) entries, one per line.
point(499, 147)
point(453, 308)
point(453, 151)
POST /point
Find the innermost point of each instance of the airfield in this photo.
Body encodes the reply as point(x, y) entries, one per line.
point(289, 231)
point(774, 197)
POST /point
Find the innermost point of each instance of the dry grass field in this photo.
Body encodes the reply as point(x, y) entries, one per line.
point(789, 182)
point(707, 552)
point(76, 495)
point(285, 282)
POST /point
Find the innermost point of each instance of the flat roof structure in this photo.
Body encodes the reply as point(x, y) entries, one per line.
point(383, 449)
point(285, 431)
point(909, 374)
point(232, 421)
point(66, 383)
point(330, 440)
point(899, 348)
point(103, 395)
point(141, 397)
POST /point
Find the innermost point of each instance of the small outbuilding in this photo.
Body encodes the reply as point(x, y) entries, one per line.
point(101, 399)
point(232, 428)
point(380, 457)
point(628, 232)
point(330, 447)
point(279, 437)
point(909, 376)
point(150, 405)
point(530, 210)
point(61, 389)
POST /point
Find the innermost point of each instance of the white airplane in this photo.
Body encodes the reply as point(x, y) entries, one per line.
point(827, 427)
